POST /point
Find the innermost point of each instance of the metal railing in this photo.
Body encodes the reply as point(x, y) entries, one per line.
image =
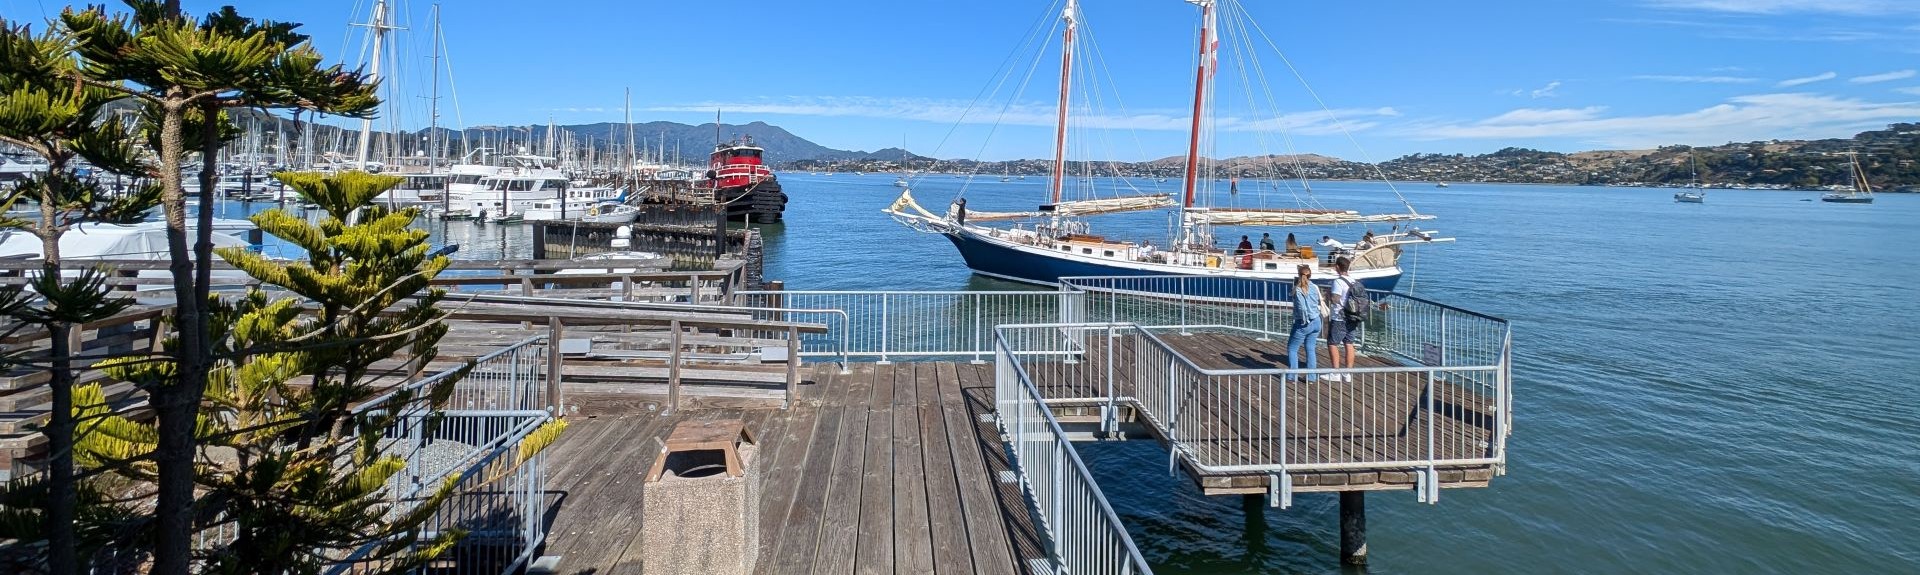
point(1276, 421)
point(1083, 534)
point(474, 440)
point(894, 325)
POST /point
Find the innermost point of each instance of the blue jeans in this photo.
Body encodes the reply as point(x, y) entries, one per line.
point(1307, 335)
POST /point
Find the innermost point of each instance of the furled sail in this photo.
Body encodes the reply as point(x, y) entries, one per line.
point(1082, 208)
point(1295, 217)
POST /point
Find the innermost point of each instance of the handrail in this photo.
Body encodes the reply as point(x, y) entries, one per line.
point(844, 318)
point(1048, 501)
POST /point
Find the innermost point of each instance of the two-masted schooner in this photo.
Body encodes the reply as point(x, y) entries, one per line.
point(1060, 242)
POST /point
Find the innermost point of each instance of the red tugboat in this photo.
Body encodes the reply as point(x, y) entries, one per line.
point(738, 179)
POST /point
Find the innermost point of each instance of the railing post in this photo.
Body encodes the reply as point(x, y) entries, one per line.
point(555, 364)
point(793, 363)
point(1110, 419)
point(1173, 418)
point(979, 324)
point(693, 289)
point(673, 368)
point(1266, 312)
point(1058, 519)
point(883, 330)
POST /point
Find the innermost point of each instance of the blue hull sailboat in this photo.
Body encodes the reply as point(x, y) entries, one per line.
point(1055, 240)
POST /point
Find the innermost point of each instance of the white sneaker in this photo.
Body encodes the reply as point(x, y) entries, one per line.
point(1341, 377)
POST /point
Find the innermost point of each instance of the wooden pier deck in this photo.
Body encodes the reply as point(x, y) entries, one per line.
point(893, 468)
point(887, 469)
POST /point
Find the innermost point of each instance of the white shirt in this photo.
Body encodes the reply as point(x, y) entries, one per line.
point(1339, 295)
point(1333, 243)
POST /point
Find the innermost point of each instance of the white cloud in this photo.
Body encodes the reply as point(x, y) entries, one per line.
point(1856, 7)
point(1744, 118)
point(1915, 90)
point(1821, 77)
point(1883, 77)
point(952, 112)
point(1546, 91)
point(1697, 79)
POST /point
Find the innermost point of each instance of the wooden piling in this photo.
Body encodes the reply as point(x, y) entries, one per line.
point(1353, 527)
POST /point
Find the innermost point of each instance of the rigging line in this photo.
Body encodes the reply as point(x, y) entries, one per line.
point(1025, 80)
point(1000, 81)
point(1341, 125)
point(1259, 71)
point(1095, 56)
point(1100, 60)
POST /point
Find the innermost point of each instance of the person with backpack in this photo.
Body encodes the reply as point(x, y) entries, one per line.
point(1308, 309)
point(1349, 311)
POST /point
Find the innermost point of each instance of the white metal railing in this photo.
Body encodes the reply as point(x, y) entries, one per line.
point(894, 325)
point(1083, 534)
point(473, 440)
point(1272, 420)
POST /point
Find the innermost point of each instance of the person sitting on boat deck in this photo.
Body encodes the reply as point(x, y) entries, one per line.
point(1366, 241)
point(1245, 247)
point(960, 211)
point(1266, 242)
point(1147, 252)
point(1293, 246)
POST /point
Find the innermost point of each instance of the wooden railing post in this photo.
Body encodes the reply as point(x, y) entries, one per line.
point(777, 300)
point(793, 363)
point(673, 368)
point(555, 364)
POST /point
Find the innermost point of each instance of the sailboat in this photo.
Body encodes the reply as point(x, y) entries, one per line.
point(1862, 192)
point(1693, 194)
point(1060, 241)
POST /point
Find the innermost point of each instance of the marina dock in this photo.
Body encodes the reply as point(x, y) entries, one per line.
point(904, 431)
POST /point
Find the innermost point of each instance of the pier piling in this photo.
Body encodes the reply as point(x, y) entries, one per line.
point(1353, 527)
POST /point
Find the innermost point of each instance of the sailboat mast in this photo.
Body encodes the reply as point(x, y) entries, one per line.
point(1066, 85)
point(1202, 77)
point(379, 27)
point(433, 115)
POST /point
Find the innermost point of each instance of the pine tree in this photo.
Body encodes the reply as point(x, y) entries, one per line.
point(291, 469)
point(186, 72)
point(60, 121)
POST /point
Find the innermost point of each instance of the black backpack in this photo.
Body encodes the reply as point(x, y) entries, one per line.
point(1354, 309)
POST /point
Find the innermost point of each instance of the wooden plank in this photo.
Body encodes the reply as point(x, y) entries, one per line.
point(797, 535)
point(912, 535)
point(841, 525)
point(874, 552)
point(985, 524)
point(945, 511)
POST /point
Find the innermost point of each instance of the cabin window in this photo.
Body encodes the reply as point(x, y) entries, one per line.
point(1273, 266)
point(1109, 253)
point(1086, 250)
point(744, 153)
point(1065, 249)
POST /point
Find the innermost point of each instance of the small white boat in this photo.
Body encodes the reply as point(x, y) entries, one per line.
point(900, 182)
point(1441, 185)
point(1690, 197)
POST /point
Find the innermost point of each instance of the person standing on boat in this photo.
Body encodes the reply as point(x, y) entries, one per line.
point(1266, 242)
point(1339, 332)
point(1293, 246)
point(960, 211)
point(1245, 247)
point(1307, 312)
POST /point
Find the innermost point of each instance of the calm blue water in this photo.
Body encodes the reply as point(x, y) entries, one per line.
point(1719, 388)
point(1727, 387)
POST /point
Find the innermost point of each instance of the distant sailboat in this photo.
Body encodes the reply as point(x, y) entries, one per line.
point(1693, 194)
point(1440, 185)
point(1862, 192)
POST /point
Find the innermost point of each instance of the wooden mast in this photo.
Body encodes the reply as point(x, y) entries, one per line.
point(1201, 78)
point(1066, 84)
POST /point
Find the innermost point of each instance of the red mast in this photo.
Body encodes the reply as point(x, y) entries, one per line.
point(1201, 77)
point(1066, 84)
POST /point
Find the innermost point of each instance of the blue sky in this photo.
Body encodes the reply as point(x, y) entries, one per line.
point(1400, 76)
